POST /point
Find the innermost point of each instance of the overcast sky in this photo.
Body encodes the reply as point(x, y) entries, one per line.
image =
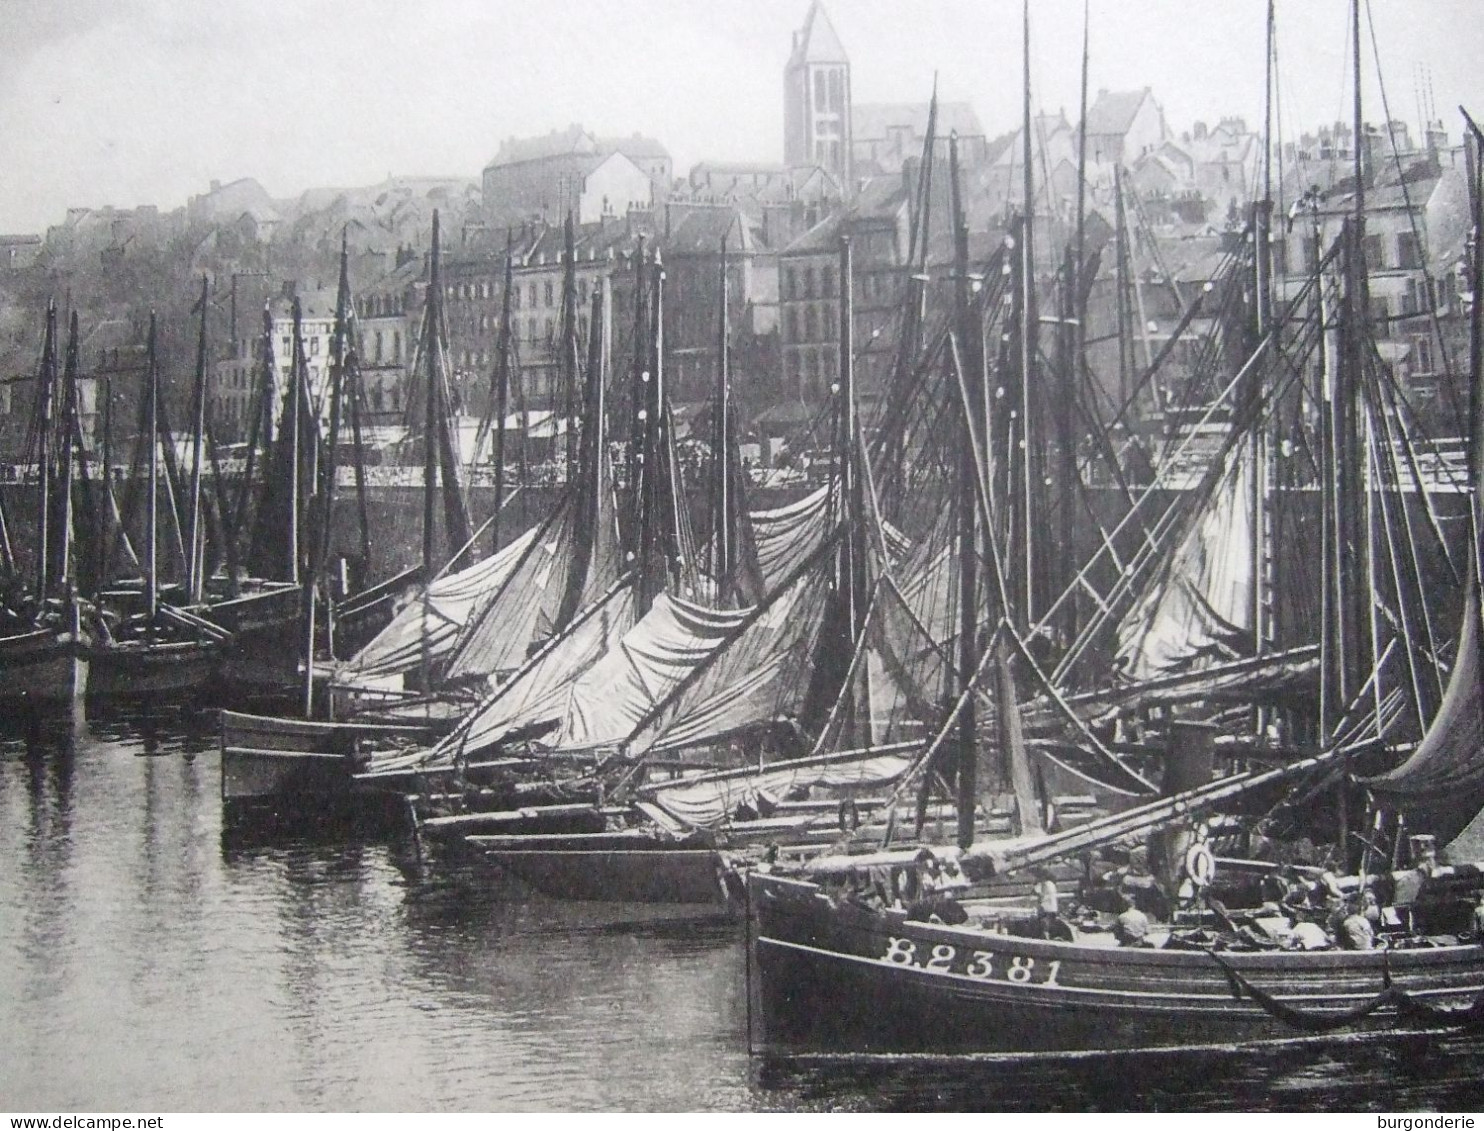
point(131, 102)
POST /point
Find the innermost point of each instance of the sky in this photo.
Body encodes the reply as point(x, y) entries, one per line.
point(130, 102)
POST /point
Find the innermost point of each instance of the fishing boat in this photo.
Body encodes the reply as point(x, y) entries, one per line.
point(1194, 921)
point(43, 646)
point(147, 646)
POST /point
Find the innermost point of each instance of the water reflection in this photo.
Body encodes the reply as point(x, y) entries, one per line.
point(151, 959)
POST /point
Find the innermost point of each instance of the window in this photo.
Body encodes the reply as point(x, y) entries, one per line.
point(515, 298)
point(313, 347)
point(288, 345)
point(810, 323)
point(827, 282)
point(378, 347)
point(531, 294)
point(396, 345)
point(793, 323)
point(808, 282)
point(821, 93)
point(837, 90)
point(1375, 254)
point(550, 328)
point(1408, 251)
point(549, 293)
point(582, 291)
point(1422, 354)
point(793, 284)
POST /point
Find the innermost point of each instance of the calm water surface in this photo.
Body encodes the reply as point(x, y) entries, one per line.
point(147, 964)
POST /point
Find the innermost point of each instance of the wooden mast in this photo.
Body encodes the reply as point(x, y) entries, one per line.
point(196, 541)
point(295, 392)
point(1029, 319)
point(67, 442)
point(502, 389)
point(45, 392)
point(430, 401)
point(721, 503)
point(966, 504)
point(569, 341)
point(151, 501)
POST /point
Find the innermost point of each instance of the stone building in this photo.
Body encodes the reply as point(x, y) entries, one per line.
point(816, 99)
point(572, 170)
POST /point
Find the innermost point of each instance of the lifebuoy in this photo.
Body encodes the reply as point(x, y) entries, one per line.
point(850, 816)
point(1200, 865)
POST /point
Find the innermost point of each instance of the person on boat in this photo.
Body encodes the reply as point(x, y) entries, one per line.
point(1307, 935)
point(1479, 914)
point(1355, 931)
point(1131, 928)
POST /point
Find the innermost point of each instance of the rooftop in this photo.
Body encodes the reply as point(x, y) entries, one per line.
point(817, 42)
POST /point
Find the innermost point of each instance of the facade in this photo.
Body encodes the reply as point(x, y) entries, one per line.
point(1124, 125)
point(885, 136)
point(574, 171)
point(809, 294)
point(238, 373)
point(19, 252)
point(1417, 227)
point(816, 99)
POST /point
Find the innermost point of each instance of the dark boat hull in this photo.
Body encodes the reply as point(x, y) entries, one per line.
point(42, 667)
point(133, 668)
point(287, 766)
point(828, 978)
point(610, 868)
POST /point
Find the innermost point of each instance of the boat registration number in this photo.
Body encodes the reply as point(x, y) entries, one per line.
point(981, 965)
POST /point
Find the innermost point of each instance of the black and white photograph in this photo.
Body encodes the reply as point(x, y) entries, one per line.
point(747, 556)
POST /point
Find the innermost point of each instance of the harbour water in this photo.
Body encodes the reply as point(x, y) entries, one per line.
point(148, 963)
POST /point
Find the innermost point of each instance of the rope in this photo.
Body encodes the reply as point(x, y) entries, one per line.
point(1408, 1008)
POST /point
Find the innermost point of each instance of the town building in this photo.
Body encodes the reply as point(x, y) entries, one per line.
point(572, 170)
point(17, 252)
point(884, 136)
point(816, 99)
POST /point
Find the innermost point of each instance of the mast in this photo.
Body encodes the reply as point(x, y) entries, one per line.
point(502, 389)
point(151, 504)
point(721, 523)
point(196, 544)
point(967, 506)
point(569, 340)
point(1029, 320)
point(295, 393)
point(44, 392)
point(430, 401)
point(67, 443)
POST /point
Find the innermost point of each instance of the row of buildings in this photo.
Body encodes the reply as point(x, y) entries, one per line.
point(849, 169)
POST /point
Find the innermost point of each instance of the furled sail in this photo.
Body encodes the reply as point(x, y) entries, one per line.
point(1441, 786)
point(426, 628)
point(712, 799)
point(1200, 608)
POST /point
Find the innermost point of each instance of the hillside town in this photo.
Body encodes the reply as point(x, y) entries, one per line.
point(1164, 202)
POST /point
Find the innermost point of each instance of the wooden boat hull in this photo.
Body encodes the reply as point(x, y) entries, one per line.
point(841, 978)
point(131, 668)
point(42, 667)
point(610, 868)
point(295, 764)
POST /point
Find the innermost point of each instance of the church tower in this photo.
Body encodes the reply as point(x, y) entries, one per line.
point(816, 99)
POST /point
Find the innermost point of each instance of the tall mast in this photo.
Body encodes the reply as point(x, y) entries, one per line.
point(432, 316)
point(502, 388)
point(569, 340)
point(196, 545)
point(44, 393)
point(967, 507)
point(721, 532)
point(1028, 344)
point(67, 443)
point(151, 504)
point(295, 393)
point(1259, 443)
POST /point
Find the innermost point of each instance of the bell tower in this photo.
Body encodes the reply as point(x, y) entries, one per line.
point(816, 99)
